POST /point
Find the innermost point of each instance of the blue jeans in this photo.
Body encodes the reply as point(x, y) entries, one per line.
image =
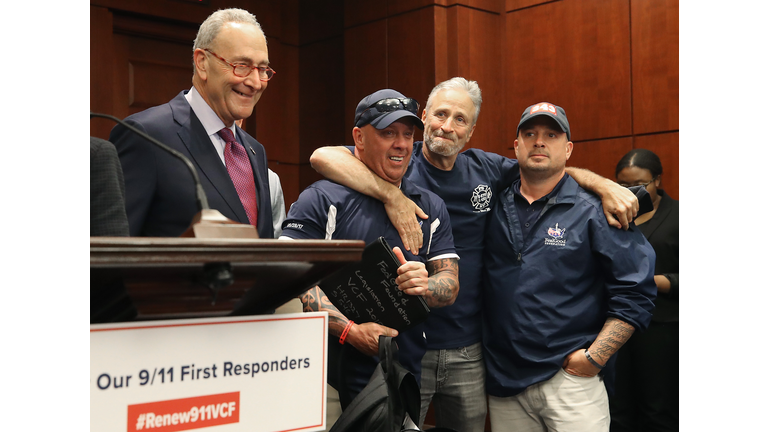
point(454, 381)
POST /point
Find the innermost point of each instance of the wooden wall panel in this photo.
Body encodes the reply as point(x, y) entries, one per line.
point(667, 147)
point(494, 6)
point(365, 71)
point(102, 79)
point(600, 156)
point(486, 38)
point(397, 7)
point(151, 83)
point(400, 6)
point(655, 65)
point(357, 12)
point(469, 43)
point(410, 52)
point(278, 103)
point(320, 21)
point(267, 12)
point(512, 5)
point(322, 102)
point(148, 72)
point(574, 54)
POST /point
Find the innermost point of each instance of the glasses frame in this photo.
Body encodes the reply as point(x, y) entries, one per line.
point(643, 185)
point(265, 69)
point(403, 102)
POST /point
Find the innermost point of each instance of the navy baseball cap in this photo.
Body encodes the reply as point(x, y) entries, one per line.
point(384, 107)
point(549, 110)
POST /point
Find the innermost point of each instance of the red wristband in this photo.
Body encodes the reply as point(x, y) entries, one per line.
point(345, 332)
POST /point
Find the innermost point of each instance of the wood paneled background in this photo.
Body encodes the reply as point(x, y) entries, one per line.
point(612, 64)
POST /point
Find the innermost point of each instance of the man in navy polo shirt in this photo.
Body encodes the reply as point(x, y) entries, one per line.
point(453, 374)
point(563, 291)
point(383, 134)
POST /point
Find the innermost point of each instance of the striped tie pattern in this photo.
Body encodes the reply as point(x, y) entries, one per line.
point(239, 169)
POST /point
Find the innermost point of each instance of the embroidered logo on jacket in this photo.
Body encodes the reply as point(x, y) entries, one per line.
point(557, 235)
point(481, 198)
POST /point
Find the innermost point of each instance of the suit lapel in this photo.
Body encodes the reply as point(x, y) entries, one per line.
point(193, 135)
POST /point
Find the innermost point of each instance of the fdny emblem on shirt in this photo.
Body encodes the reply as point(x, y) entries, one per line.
point(557, 236)
point(481, 198)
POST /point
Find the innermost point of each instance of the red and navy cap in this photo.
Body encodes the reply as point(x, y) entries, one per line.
point(547, 109)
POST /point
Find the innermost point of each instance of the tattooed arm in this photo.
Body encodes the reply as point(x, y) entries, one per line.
point(443, 282)
point(614, 334)
point(364, 337)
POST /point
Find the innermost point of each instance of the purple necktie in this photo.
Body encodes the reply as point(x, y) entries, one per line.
point(239, 169)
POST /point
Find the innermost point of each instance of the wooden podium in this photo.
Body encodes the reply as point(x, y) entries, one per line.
point(168, 278)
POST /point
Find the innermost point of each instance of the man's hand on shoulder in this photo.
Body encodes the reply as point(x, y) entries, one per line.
point(620, 205)
point(404, 215)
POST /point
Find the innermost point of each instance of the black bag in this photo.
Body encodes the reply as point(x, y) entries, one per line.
point(390, 395)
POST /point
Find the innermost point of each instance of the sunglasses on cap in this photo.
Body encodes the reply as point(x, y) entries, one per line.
point(392, 104)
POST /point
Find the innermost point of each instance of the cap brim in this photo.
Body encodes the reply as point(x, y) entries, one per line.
point(548, 114)
point(387, 119)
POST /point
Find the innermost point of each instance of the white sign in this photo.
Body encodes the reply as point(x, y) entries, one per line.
point(255, 373)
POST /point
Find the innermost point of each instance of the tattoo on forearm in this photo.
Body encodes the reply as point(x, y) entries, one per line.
point(443, 282)
point(614, 335)
point(315, 300)
point(310, 300)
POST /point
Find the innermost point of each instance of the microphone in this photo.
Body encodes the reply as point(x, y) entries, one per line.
point(202, 199)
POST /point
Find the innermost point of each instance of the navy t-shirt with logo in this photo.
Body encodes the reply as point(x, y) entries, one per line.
point(469, 190)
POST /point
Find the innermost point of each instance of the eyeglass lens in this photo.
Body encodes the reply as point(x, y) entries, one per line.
point(645, 185)
point(243, 71)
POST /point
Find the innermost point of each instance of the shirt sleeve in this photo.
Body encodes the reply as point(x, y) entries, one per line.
point(308, 216)
point(627, 261)
point(440, 239)
point(278, 202)
point(509, 171)
point(502, 171)
point(674, 289)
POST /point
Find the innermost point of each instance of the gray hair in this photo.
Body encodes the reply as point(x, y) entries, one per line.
point(210, 28)
point(459, 83)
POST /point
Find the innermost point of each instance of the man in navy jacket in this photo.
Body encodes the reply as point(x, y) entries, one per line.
point(230, 74)
point(564, 292)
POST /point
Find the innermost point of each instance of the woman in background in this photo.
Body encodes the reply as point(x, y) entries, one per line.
point(647, 388)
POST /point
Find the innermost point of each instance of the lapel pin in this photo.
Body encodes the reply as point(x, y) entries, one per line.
point(252, 150)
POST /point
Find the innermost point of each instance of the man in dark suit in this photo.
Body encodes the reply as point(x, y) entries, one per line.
point(231, 70)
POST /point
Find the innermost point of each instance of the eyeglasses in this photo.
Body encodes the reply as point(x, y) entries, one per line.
point(392, 104)
point(240, 70)
point(645, 185)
